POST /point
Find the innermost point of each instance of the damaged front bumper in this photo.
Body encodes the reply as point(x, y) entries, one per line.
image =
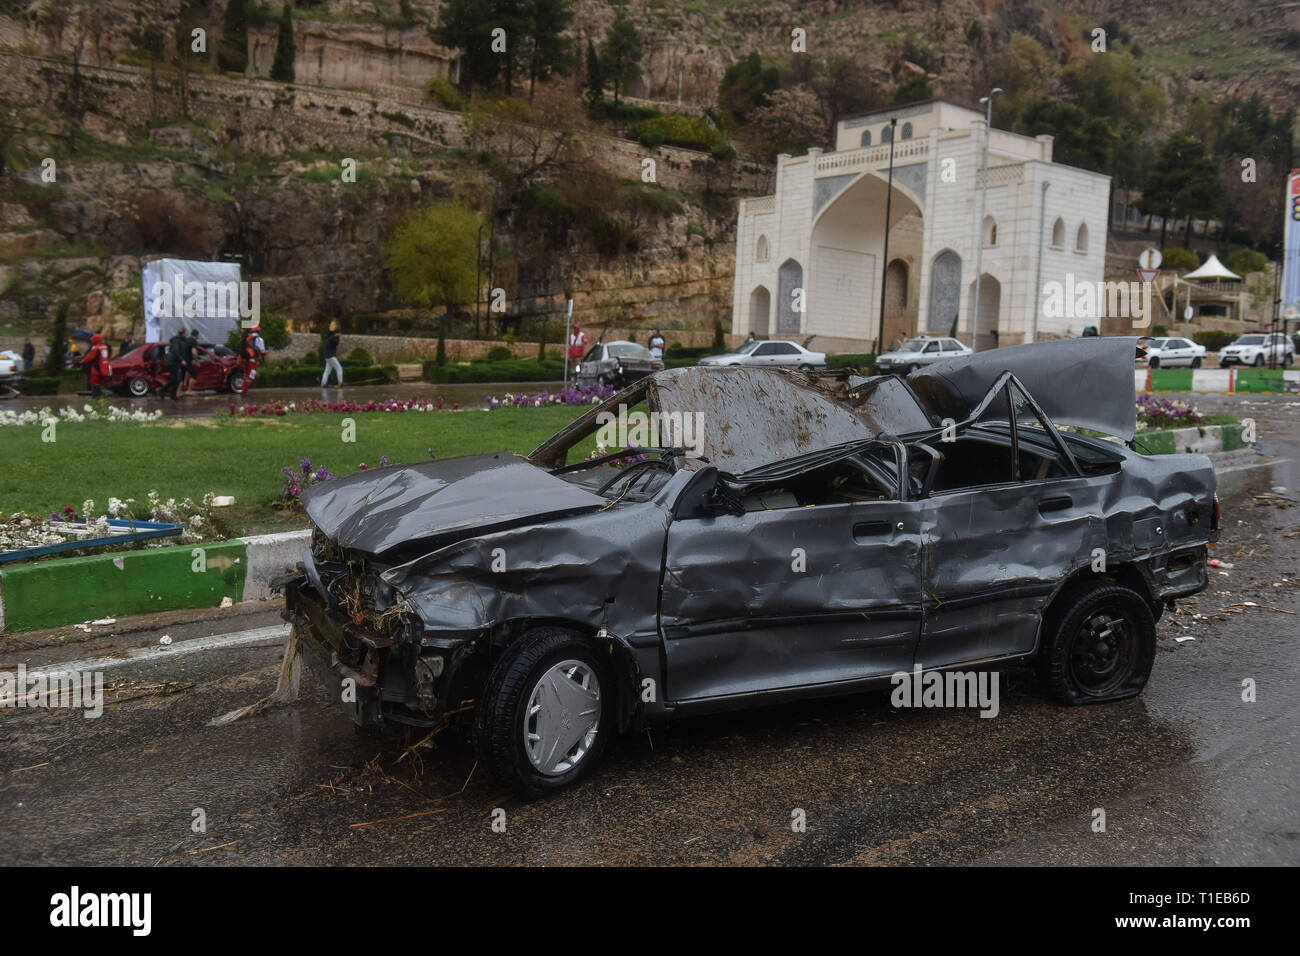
point(379, 679)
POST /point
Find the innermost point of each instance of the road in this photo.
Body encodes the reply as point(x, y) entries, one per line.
point(1188, 773)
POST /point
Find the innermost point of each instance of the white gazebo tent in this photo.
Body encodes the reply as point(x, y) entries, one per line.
point(1206, 292)
point(1213, 269)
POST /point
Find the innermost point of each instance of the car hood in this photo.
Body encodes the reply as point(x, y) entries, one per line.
point(436, 502)
point(1085, 382)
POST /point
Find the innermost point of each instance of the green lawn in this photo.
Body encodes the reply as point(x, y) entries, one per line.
point(243, 457)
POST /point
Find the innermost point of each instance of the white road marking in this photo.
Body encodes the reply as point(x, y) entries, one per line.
point(1258, 464)
point(135, 655)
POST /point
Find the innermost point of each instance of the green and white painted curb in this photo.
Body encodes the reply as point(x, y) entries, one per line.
point(1202, 439)
point(63, 591)
point(1209, 380)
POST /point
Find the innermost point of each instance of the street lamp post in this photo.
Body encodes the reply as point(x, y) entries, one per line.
point(1038, 272)
point(889, 206)
point(979, 226)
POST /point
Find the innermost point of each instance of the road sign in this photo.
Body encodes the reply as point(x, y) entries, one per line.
point(1148, 275)
point(1149, 259)
point(1187, 314)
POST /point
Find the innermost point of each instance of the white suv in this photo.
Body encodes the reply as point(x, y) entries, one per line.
point(922, 350)
point(1258, 348)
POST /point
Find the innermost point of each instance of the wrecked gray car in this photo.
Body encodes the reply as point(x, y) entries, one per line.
point(791, 535)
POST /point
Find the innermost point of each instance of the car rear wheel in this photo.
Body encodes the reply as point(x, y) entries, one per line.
point(1196, 363)
point(235, 382)
point(1154, 362)
point(137, 387)
point(1101, 647)
point(545, 714)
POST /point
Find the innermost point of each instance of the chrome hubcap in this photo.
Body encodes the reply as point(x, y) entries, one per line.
point(563, 717)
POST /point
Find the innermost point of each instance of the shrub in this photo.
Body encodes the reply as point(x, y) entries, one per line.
point(1176, 257)
point(361, 356)
point(292, 376)
point(1213, 339)
point(514, 370)
point(38, 385)
point(1245, 261)
point(862, 360)
point(692, 132)
point(443, 92)
point(500, 353)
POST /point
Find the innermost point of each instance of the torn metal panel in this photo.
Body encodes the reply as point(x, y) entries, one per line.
point(381, 509)
point(1085, 382)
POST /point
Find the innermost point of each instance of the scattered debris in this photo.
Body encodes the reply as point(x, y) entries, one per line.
point(1184, 638)
point(165, 639)
point(409, 816)
point(1240, 608)
point(286, 687)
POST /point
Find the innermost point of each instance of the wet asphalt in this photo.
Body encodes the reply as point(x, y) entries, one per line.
point(1188, 773)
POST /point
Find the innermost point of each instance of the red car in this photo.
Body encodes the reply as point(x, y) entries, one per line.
point(144, 370)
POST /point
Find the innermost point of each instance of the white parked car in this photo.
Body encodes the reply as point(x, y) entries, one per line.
point(920, 351)
point(1258, 348)
point(769, 352)
point(1173, 352)
point(11, 365)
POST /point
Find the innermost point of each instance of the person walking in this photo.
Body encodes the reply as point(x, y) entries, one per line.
point(657, 345)
point(96, 362)
point(577, 343)
point(190, 356)
point(175, 364)
point(29, 355)
point(251, 351)
point(330, 354)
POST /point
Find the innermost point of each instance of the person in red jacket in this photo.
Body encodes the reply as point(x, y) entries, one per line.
point(251, 350)
point(96, 359)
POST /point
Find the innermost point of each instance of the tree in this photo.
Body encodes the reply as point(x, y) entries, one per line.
point(232, 55)
point(466, 26)
point(912, 90)
point(1183, 183)
point(791, 121)
point(620, 55)
point(433, 257)
point(549, 52)
point(285, 53)
point(745, 86)
point(595, 75)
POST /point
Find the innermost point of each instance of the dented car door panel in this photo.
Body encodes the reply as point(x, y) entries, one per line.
point(789, 597)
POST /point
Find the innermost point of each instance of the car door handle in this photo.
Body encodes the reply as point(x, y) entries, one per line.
point(1059, 503)
point(868, 529)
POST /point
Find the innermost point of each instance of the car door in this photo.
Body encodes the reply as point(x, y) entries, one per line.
point(931, 353)
point(765, 354)
point(209, 372)
point(790, 597)
point(1000, 532)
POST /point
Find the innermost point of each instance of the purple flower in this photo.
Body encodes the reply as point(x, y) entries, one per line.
point(383, 462)
point(306, 466)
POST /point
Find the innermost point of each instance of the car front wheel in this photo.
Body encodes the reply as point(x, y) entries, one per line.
point(1259, 360)
point(236, 382)
point(1196, 363)
point(137, 387)
point(1101, 647)
point(545, 714)
point(1153, 363)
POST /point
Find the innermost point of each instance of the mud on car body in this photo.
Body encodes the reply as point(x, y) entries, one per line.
point(941, 520)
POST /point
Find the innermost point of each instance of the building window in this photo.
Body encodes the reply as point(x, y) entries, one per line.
point(866, 137)
point(907, 131)
point(1081, 238)
point(887, 134)
point(760, 249)
point(1058, 234)
point(990, 231)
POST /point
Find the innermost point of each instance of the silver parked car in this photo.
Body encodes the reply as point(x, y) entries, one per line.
point(1172, 352)
point(920, 351)
point(615, 363)
point(769, 352)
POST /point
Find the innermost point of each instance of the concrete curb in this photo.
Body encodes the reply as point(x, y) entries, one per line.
point(63, 591)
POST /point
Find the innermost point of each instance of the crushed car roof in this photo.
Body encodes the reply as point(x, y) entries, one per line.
point(1087, 382)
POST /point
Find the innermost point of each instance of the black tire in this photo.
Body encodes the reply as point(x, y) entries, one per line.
point(1154, 362)
point(1117, 664)
point(137, 387)
point(1196, 363)
point(1259, 360)
point(235, 382)
point(502, 710)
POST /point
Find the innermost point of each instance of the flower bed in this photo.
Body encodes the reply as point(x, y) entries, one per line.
point(415, 404)
point(1167, 413)
point(573, 395)
point(20, 531)
point(102, 412)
